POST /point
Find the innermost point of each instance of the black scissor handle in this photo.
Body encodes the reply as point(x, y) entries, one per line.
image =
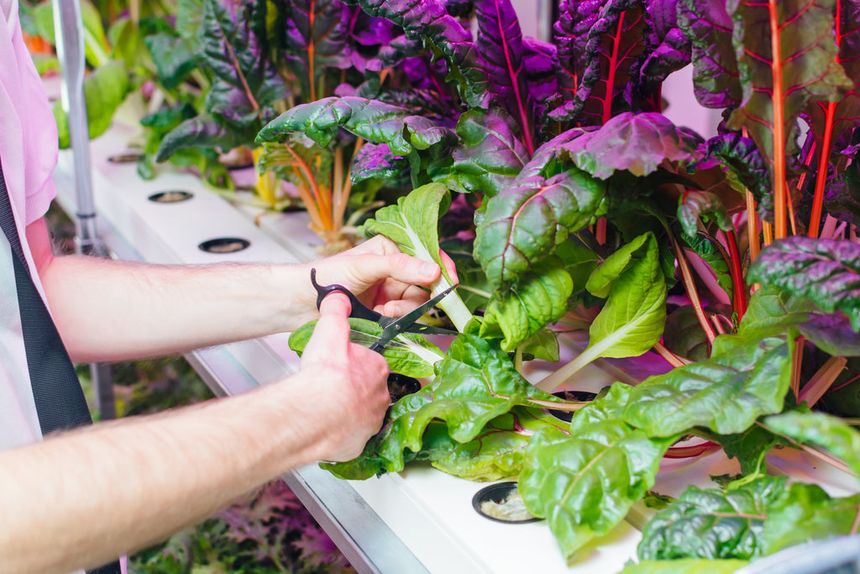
point(358, 309)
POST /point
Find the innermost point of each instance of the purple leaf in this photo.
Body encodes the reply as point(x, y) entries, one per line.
point(541, 75)
point(637, 143)
point(832, 334)
point(667, 49)
point(823, 271)
point(502, 55)
point(570, 34)
point(316, 41)
point(715, 67)
point(429, 22)
point(377, 161)
point(615, 42)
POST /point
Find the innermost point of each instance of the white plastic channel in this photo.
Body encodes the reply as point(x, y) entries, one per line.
point(429, 512)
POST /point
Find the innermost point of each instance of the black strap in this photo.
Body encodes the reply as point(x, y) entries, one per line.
point(60, 402)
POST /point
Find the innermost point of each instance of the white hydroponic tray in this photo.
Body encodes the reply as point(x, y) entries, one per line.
point(429, 513)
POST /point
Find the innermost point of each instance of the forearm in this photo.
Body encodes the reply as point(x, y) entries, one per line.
point(162, 473)
point(112, 310)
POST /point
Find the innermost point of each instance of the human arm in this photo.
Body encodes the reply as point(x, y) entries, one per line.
point(112, 310)
point(82, 498)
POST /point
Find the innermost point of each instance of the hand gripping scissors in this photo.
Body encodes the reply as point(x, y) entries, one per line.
point(398, 385)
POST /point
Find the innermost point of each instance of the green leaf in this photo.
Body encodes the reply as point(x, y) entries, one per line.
point(744, 379)
point(542, 345)
point(189, 21)
point(607, 273)
point(712, 523)
point(233, 48)
point(749, 448)
point(773, 313)
point(173, 60)
point(579, 261)
point(538, 299)
point(821, 430)
point(805, 513)
point(633, 317)
point(824, 271)
point(95, 43)
point(413, 225)
point(475, 383)
point(525, 221)
point(375, 121)
point(585, 483)
point(408, 354)
point(104, 91)
point(701, 206)
point(496, 453)
point(473, 288)
point(687, 566)
point(490, 154)
point(683, 335)
point(637, 143)
point(199, 132)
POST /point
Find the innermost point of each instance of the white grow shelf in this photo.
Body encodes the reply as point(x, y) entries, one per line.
point(418, 521)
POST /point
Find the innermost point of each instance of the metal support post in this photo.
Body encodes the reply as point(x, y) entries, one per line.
point(68, 27)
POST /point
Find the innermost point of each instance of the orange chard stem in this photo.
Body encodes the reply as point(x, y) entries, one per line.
point(692, 292)
point(767, 231)
point(797, 365)
point(822, 380)
point(752, 227)
point(317, 200)
point(778, 100)
point(821, 176)
point(670, 357)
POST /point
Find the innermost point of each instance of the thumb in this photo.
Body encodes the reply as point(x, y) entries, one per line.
point(330, 339)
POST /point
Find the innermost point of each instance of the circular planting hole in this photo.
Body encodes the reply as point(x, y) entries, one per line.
point(501, 502)
point(171, 196)
point(222, 245)
point(570, 396)
point(400, 385)
point(125, 157)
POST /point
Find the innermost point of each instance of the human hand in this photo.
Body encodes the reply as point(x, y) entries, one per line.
point(347, 381)
point(379, 274)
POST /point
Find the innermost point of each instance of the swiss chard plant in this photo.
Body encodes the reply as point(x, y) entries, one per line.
point(719, 278)
point(264, 58)
point(593, 212)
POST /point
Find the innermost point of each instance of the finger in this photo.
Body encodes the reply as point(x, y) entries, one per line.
point(330, 338)
point(396, 308)
point(378, 245)
point(392, 290)
point(449, 267)
point(369, 269)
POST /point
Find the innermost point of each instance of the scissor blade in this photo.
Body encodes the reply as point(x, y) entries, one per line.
point(430, 330)
point(405, 323)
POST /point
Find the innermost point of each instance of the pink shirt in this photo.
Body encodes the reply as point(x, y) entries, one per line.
point(28, 150)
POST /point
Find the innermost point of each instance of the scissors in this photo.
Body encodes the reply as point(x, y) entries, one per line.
point(398, 385)
point(391, 327)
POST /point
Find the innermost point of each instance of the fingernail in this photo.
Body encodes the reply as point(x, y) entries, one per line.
point(429, 269)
